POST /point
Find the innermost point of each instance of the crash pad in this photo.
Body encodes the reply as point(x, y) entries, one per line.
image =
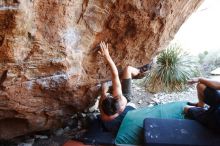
point(131, 130)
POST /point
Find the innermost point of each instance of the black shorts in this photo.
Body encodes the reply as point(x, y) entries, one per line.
point(212, 97)
point(127, 89)
point(209, 117)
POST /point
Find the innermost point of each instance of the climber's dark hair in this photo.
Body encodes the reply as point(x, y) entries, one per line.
point(110, 105)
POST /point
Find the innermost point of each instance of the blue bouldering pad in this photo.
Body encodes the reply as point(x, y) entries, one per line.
point(178, 132)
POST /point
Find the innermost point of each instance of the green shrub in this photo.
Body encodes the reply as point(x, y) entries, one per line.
point(172, 70)
point(202, 56)
point(210, 62)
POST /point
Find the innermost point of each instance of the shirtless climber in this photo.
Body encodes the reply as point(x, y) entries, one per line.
point(113, 107)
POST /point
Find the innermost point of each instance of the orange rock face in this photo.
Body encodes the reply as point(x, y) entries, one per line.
point(48, 53)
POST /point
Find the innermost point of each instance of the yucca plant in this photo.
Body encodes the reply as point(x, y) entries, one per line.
point(172, 70)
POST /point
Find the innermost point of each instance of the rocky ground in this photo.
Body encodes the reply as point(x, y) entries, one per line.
point(79, 122)
point(142, 98)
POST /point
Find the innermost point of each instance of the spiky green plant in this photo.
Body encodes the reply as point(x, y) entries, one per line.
point(172, 70)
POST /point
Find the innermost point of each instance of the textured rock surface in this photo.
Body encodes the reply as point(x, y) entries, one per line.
point(48, 59)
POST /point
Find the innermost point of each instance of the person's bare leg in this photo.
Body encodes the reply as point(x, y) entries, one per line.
point(129, 72)
point(200, 92)
point(126, 81)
